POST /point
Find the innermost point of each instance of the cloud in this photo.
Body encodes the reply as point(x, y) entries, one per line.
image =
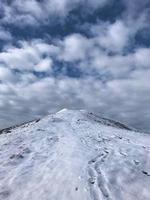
point(113, 36)
point(98, 67)
point(74, 47)
point(44, 65)
point(126, 81)
point(5, 35)
point(6, 75)
point(27, 57)
point(129, 98)
point(33, 12)
point(135, 8)
point(36, 13)
point(142, 57)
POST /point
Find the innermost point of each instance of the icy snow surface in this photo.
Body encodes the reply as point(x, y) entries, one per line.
point(74, 155)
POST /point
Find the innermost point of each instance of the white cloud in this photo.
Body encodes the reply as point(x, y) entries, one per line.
point(74, 47)
point(142, 57)
point(44, 66)
point(20, 58)
point(6, 75)
point(113, 36)
point(28, 56)
point(5, 35)
point(46, 49)
point(32, 12)
point(116, 36)
point(32, 7)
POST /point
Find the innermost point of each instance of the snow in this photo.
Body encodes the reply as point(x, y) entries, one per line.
point(74, 155)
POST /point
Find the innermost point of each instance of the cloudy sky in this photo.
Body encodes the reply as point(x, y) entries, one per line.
point(78, 54)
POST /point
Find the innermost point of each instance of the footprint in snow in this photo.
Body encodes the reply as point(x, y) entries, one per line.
point(92, 180)
point(136, 162)
point(21, 154)
point(57, 120)
point(16, 156)
point(146, 173)
point(4, 194)
point(39, 129)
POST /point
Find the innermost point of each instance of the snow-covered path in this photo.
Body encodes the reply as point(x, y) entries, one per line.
point(74, 155)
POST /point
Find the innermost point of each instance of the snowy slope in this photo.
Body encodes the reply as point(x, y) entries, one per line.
point(74, 155)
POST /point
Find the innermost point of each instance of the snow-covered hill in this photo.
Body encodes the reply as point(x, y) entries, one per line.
point(74, 155)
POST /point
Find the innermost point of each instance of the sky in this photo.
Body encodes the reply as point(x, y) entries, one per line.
point(75, 54)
